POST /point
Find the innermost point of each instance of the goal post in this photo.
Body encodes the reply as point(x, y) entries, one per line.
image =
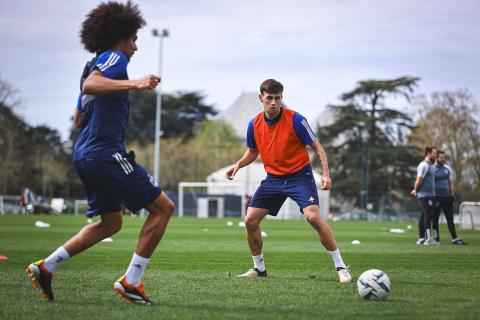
point(211, 199)
point(470, 215)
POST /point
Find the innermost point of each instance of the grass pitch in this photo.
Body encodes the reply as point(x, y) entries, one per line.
point(192, 275)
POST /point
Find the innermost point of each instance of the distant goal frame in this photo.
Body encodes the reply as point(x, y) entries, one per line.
point(467, 219)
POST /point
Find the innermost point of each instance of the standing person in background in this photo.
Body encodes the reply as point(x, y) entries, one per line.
point(112, 178)
point(280, 136)
point(444, 196)
point(424, 190)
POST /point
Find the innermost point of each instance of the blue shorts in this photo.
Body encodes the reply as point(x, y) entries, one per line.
point(112, 184)
point(274, 190)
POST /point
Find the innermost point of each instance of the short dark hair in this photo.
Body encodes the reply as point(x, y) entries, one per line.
point(110, 23)
point(429, 149)
point(271, 86)
point(440, 152)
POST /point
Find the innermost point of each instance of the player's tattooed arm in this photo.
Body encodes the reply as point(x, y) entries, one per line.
point(321, 156)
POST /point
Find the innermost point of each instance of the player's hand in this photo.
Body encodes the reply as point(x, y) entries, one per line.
point(326, 183)
point(231, 172)
point(148, 82)
point(413, 193)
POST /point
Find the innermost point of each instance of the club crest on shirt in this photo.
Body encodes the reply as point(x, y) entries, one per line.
point(152, 181)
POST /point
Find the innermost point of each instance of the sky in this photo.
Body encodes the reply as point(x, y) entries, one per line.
point(318, 49)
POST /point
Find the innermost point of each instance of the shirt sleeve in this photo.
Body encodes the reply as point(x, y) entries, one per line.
point(112, 64)
point(302, 129)
point(79, 102)
point(422, 170)
point(250, 136)
point(451, 174)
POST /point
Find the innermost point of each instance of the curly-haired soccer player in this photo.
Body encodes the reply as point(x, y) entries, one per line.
point(280, 136)
point(112, 178)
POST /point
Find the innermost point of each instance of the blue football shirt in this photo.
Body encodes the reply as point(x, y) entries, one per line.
point(104, 118)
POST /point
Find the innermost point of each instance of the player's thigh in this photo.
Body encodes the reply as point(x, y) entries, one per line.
point(303, 191)
point(100, 200)
point(426, 205)
point(130, 183)
point(269, 196)
point(447, 207)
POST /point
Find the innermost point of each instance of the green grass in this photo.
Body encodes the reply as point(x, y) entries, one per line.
point(192, 273)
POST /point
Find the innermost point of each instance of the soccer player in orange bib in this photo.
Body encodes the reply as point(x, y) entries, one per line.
point(280, 136)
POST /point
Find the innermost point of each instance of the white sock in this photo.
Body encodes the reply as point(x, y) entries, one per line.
point(337, 258)
point(56, 258)
point(258, 262)
point(427, 232)
point(135, 269)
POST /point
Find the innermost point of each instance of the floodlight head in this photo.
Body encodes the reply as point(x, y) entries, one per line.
point(163, 34)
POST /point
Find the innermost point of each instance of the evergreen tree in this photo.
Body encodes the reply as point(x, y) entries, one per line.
point(367, 143)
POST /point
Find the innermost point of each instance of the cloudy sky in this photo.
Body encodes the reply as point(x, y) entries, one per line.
point(317, 48)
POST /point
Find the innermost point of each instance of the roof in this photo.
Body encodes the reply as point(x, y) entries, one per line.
point(241, 111)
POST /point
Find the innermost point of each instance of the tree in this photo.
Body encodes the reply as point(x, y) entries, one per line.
point(13, 139)
point(447, 121)
point(213, 146)
point(367, 142)
point(181, 112)
point(50, 160)
point(33, 157)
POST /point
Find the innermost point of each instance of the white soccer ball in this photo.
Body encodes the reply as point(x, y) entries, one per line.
point(373, 284)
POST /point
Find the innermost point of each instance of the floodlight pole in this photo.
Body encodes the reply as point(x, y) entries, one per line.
point(158, 131)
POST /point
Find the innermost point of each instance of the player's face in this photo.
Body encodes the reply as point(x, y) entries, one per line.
point(271, 103)
point(441, 158)
point(128, 46)
point(432, 155)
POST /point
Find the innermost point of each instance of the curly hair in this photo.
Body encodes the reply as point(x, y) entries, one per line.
point(110, 23)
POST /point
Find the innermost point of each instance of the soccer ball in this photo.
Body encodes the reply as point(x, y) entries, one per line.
point(373, 284)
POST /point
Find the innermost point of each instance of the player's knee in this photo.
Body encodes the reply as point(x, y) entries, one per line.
point(162, 206)
point(170, 208)
point(251, 222)
point(312, 217)
point(114, 226)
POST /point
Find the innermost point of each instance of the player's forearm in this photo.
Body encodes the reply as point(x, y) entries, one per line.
point(418, 184)
point(321, 157)
point(99, 85)
point(452, 188)
point(248, 157)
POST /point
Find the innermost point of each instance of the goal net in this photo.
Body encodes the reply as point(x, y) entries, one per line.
point(211, 199)
point(470, 215)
